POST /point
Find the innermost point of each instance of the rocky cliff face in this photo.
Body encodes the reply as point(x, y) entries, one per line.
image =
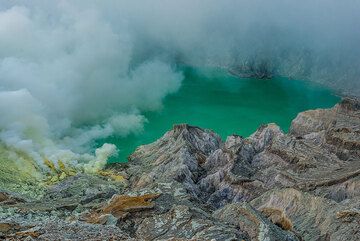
point(191, 185)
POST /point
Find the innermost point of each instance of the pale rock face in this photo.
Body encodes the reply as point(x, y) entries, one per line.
point(252, 222)
point(304, 185)
point(314, 217)
point(320, 156)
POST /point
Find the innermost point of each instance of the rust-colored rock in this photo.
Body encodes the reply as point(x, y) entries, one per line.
point(28, 233)
point(9, 227)
point(348, 215)
point(123, 203)
point(278, 217)
point(120, 205)
point(3, 197)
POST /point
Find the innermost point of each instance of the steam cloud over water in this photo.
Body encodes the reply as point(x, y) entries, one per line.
point(75, 71)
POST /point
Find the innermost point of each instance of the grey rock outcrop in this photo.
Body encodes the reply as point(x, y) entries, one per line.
point(320, 157)
point(191, 185)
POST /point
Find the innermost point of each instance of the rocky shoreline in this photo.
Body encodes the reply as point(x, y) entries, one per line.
point(191, 185)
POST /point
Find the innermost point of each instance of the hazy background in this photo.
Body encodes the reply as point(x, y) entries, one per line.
point(75, 71)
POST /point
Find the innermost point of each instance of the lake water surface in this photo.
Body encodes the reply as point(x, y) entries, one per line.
point(214, 99)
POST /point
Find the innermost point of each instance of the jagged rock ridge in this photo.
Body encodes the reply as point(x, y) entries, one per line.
point(304, 185)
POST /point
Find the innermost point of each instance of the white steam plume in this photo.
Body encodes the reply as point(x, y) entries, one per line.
point(74, 71)
point(66, 79)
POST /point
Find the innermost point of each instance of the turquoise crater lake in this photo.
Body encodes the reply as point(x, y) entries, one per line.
point(216, 100)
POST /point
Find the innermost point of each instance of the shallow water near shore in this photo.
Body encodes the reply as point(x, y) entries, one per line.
point(214, 99)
